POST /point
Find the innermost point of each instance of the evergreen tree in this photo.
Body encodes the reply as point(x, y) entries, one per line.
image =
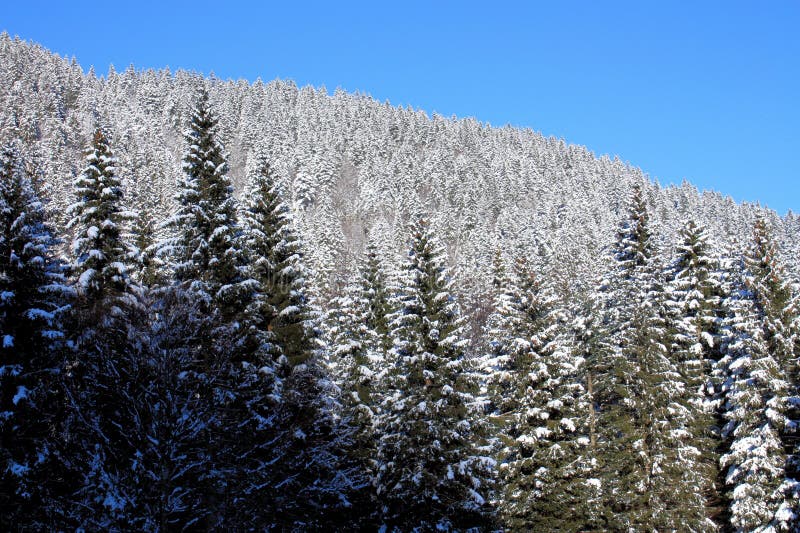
point(206, 253)
point(280, 314)
point(432, 473)
point(32, 296)
point(647, 466)
point(358, 335)
point(693, 300)
point(768, 283)
point(106, 328)
point(755, 395)
point(545, 467)
point(295, 475)
point(375, 292)
point(508, 336)
point(101, 253)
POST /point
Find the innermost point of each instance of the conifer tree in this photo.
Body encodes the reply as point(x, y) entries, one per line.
point(508, 335)
point(768, 283)
point(280, 313)
point(755, 395)
point(545, 467)
point(106, 328)
point(432, 473)
point(296, 476)
point(206, 253)
point(100, 251)
point(693, 301)
point(375, 292)
point(358, 335)
point(32, 296)
point(647, 467)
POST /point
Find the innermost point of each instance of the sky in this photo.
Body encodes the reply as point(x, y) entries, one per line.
point(706, 91)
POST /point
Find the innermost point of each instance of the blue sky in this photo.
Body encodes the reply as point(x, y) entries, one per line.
point(706, 91)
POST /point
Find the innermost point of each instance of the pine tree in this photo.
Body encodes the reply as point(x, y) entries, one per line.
point(206, 253)
point(101, 253)
point(432, 472)
point(32, 297)
point(693, 301)
point(297, 477)
point(280, 311)
point(767, 280)
point(358, 335)
point(755, 394)
point(545, 466)
point(375, 292)
point(106, 328)
point(508, 335)
point(646, 464)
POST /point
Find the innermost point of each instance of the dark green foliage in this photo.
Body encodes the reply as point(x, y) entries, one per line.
point(432, 473)
point(101, 253)
point(206, 253)
point(645, 460)
point(279, 314)
point(694, 293)
point(32, 295)
point(545, 465)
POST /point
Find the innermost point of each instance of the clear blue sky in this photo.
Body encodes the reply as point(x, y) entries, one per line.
point(703, 90)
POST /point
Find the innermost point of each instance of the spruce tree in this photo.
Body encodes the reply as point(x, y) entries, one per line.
point(693, 299)
point(508, 335)
point(32, 297)
point(280, 313)
point(357, 329)
point(432, 472)
point(755, 395)
point(100, 252)
point(206, 250)
point(295, 475)
point(647, 466)
point(375, 292)
point(768, 282)
point(106, 328)
point(545, 466)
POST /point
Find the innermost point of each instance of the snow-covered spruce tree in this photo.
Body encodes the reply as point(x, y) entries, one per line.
point(757, 393)
point(355, 366)
point(693, 294)
point(297, 475)
point(100, 251)
point(754, 405)
point(107, 330)
point(769, 284)
point(32, 296)
point(375, 292)
point(206, 249)
point(280, 314)
point(507, 336)
point(767, 281)
point(647, 467)
point(357, 331)
point(544, 466)
point(432, 470)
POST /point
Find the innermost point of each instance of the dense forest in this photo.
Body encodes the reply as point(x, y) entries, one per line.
point(252, 306)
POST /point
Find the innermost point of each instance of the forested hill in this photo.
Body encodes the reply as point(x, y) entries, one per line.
point(497, 332)
point(355, 166)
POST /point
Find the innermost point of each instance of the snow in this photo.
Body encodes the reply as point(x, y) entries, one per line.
point(22, 393)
